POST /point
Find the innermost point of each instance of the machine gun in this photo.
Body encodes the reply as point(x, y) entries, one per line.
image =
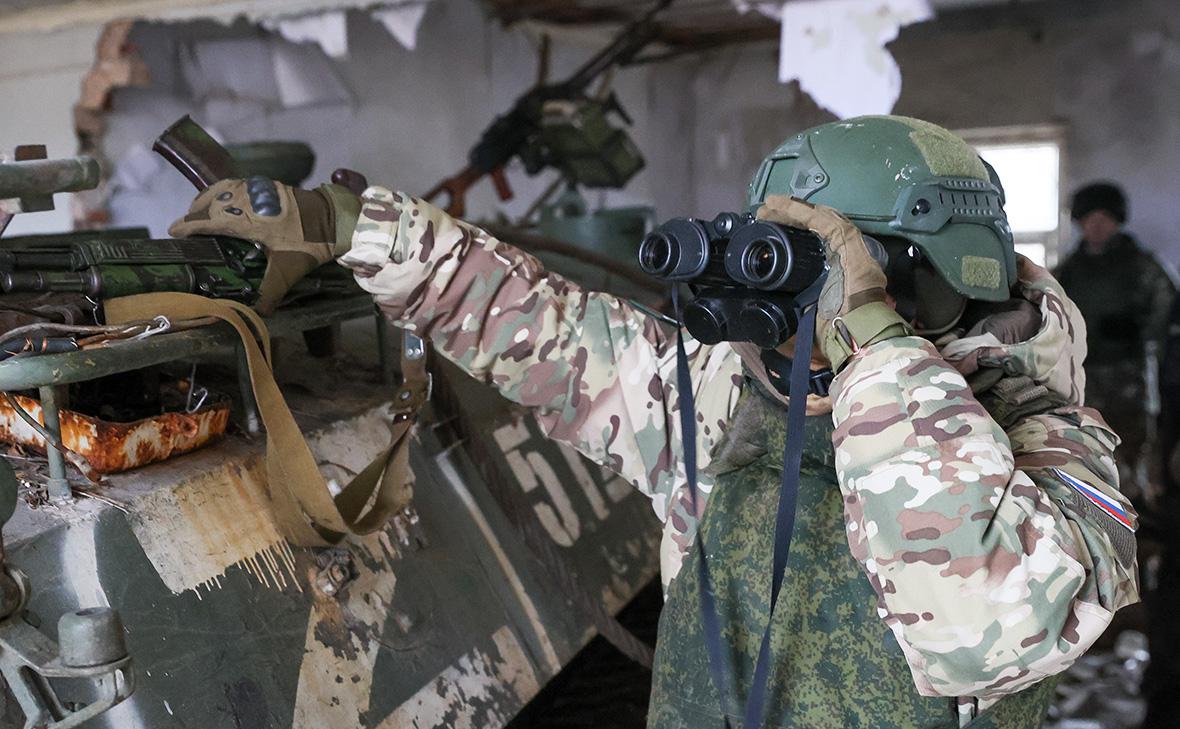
point(122, 263)
point(559, 125)
point(91, 647)
point(115, 263)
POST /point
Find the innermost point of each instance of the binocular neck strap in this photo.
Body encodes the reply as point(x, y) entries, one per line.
point(719, 666)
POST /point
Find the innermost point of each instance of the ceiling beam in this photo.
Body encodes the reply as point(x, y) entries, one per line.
point(715, 31)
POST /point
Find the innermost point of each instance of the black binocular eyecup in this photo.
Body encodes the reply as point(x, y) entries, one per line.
point(677, 251)
point(766, 323)
point(772, 257)
point(727, 316)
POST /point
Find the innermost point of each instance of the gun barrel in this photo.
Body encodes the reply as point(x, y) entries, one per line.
point(47, 176)
point(77, 282)
point(621, 50)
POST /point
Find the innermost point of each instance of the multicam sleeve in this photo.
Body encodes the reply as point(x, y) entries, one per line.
point(599, 374)
point(997, 558)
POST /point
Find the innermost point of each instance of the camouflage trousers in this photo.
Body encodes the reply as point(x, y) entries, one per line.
point(836, 664)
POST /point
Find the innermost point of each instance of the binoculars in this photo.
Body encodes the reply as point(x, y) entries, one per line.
point(745, 274)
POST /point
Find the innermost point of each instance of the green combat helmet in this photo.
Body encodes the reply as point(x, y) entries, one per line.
point(899, 177)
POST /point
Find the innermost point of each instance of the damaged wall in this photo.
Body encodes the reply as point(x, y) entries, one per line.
point(1109, 73)
point(403, 118)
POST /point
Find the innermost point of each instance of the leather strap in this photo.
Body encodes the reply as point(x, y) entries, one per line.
point(304, 509)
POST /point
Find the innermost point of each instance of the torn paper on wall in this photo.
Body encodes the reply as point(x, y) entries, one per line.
point(47, 15)
point(836, 50)
point(402, 22)
point(328, 29)
point(135, 170)
point(237, 68)
point(305, 77)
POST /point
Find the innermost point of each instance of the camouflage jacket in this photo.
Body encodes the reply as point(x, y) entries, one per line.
point(989, 567)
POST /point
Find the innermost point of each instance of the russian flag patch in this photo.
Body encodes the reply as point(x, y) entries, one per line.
point(1095, 496)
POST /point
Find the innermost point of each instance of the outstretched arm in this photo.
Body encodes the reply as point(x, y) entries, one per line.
point(598, 373)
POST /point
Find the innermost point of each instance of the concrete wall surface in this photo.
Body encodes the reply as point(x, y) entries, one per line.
point(39, 82)
point(1107, 73)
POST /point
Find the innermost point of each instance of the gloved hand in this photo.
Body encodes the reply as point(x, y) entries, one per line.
point(852, 312)
point(1039, 334)
point(300, 229)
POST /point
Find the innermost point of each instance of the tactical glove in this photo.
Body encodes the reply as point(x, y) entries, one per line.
point(300, 229)
point(852, 311)
point(1039, 333)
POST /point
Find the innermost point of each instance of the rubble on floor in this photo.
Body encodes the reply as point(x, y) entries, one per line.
point(1102, 689)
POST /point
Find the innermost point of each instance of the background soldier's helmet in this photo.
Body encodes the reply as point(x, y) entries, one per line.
point(897, 177)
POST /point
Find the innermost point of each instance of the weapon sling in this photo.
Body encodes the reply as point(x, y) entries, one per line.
point(719, 666)
point(304, 509)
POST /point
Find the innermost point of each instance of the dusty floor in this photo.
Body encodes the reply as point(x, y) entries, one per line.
point(600, 687)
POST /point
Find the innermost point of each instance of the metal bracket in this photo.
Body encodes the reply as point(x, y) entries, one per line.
point(92, 647)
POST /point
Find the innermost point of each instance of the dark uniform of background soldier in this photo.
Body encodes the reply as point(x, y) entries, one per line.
point(1163, 673)
point(1124, 295)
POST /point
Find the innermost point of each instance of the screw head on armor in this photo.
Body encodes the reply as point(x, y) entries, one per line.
point(894, 176)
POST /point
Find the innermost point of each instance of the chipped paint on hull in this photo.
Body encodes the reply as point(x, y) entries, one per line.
point(115, 447)
point(344, 638)
point(80, 559)
point(481, 690)
point(195, 530)
point(489, 535)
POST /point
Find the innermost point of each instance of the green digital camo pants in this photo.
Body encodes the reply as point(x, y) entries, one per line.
point(836, 664)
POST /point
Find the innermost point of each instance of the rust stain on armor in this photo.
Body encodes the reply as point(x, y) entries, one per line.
point(115, 447)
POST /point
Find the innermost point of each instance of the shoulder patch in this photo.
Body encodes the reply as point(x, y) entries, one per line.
point(1096, 497)
point(1106, 514)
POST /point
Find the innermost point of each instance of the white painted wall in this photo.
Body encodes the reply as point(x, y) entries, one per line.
point(1108, 72)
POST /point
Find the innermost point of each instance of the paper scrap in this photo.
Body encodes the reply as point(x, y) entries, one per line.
point(305, 76)
point(328, 29)
point(836, 50)
point(238, 68)
point(137, 167)
point(402, 21)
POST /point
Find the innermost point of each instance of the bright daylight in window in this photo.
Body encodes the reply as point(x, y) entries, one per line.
point(1031, 174)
